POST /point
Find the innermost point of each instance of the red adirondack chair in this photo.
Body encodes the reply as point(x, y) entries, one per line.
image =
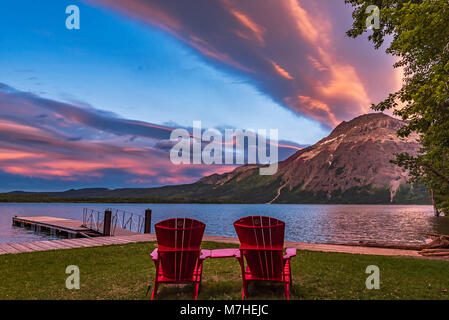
point(179, 258)
point(262, 246)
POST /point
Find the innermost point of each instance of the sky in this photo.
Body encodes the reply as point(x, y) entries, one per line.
point(95, 106)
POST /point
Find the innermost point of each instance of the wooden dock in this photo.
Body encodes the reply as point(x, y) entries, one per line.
point(62, 227)
point(13, 248)
point(47, 245)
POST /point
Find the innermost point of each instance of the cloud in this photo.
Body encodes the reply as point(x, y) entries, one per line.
point(282, 72)
point(47, 140)
point(287, 49)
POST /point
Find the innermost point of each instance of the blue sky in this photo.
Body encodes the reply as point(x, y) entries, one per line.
point(136, 71)
point(147, 63)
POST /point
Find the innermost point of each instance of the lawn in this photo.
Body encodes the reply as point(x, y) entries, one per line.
point(124, 272)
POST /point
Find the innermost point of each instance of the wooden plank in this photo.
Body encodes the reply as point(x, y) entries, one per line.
point(85, 242)
point(116, 240)
point(77, 243)
point(68, 243)
point(138, 237)
point(62, 245)
point(9, 249)
point(44, 245)
point(49, 244)
point(106, 241)
point(33, 246)
point(73, 227)
point(120, 241)
point(123, 232)
point(59, 244)
point(145, 237)
point(20, 247)
point(54, 223)
point(95, 241)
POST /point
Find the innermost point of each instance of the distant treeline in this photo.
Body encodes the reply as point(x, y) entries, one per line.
point(18, 198)
point(353, 197)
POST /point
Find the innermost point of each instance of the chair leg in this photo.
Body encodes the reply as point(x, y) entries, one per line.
point(154, 294)
point(245, 289)
point(244, 282)
point(198, 277)
point(287, 290)
point(290, 274)
point(196, 290)
point(156, 282)
point(288, 284)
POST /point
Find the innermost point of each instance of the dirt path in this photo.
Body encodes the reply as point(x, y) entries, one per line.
point(278, 194)
point(331, 248)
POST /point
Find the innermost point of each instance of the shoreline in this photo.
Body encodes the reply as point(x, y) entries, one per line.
point(152, 201)
point(48, 245)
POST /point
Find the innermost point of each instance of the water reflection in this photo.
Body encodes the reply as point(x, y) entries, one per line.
point(304, 223)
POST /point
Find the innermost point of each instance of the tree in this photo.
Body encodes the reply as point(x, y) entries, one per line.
point(418, 35)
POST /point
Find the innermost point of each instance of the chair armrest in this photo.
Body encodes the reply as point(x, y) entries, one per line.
point(289, 253)
point(205, 254)
point(154, 255)
point(225, 253)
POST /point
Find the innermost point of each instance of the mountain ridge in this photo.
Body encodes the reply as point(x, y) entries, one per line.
point(350, 165)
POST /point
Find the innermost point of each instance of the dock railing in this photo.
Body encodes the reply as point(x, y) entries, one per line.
point(126, 220)
point(94, 220)
point(111, 221)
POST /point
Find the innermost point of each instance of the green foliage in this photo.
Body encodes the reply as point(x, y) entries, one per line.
point(419, 33)
point(365, 194)
point(42, 198)
point(412, 194)
point(356, 195)
point(255, 189)
point(10, 197)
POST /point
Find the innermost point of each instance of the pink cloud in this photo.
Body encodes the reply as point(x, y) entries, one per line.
point(47, 139)
point(286, 48)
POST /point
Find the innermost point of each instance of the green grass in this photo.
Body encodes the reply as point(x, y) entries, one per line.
point(124, 272)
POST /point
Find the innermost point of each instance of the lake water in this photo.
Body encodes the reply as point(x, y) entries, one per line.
point(304, 223)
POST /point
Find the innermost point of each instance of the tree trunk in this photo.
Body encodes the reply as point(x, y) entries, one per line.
point(435, 209)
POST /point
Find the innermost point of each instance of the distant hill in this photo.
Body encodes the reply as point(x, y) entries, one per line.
point(351, 165)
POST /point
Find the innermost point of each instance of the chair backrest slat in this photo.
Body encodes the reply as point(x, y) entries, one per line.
point(262, 243)
point(179, 245)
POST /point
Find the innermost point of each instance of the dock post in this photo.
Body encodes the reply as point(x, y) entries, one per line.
point(147, 228)
point(107, 223)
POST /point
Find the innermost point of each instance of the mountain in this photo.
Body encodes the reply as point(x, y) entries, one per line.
point(351, 165)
